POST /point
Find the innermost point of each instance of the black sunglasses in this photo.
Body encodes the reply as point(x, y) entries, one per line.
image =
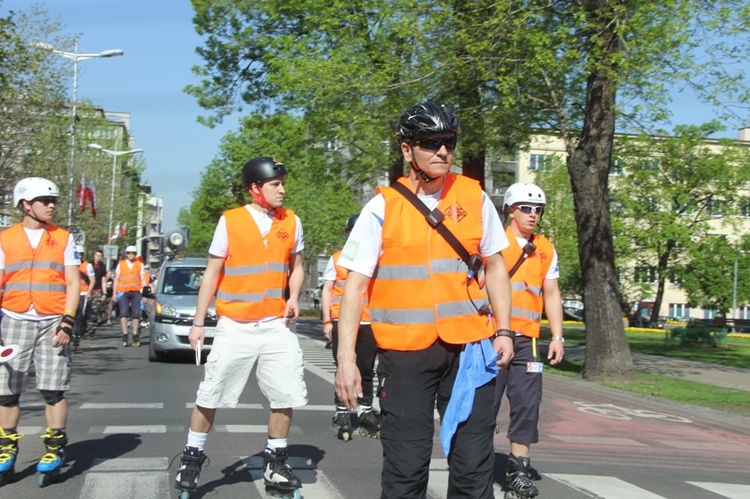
point(435, 143)
point(531, 209)
point(46, 200)
point(130, 252)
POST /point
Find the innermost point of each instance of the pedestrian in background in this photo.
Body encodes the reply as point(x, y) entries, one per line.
point(40, 292)
point(531, 260)
point(427, 310)
point(366, 350)
point(86, 276)
point(130, 278)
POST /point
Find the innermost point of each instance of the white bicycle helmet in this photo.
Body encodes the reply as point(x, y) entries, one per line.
point(523, 192)
point(31, 188)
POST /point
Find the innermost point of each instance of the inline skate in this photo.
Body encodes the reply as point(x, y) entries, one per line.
point(191, 463)
point(342, 424)
point(52, 460)
point(278, 476)
point(8, 453)
point(518, 478)
point(369, 424)
point(136, 340)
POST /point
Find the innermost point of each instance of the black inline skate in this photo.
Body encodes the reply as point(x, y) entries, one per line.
point(342, 424)
point(190, 470)
point(369, 424)
point(8, 453)
point(53, 458)
point(136, 340)
point(278, 476)
point(518, 478)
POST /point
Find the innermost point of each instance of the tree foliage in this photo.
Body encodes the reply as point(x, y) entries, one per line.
point(315, 189)
point(509, 67)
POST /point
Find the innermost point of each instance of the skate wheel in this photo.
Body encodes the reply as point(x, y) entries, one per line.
point(42, 481)
point(184, 494)
point(346, 436)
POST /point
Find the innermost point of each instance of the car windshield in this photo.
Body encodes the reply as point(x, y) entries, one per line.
point(183, 280)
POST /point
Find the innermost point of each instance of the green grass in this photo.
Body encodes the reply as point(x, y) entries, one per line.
point(736, 354)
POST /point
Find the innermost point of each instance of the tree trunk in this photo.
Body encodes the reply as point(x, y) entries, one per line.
point(607, 355)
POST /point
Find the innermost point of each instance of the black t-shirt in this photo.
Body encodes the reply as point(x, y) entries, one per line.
point(100, 270)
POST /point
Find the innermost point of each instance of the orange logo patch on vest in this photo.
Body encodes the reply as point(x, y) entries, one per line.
point(282, 235)
point(542, 256)
point(455, 212)
point(51, 242)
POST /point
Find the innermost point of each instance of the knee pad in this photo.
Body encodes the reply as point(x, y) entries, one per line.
point(9, 400)
point(52, 397)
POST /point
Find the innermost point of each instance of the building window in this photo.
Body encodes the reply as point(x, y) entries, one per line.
point(745, 208)
point(651, 204)
point(715, 208)
point(744, 312)
point(615, 168)
point(645, 274)
point(679, 310)
point(330, 145)
point(537, 162)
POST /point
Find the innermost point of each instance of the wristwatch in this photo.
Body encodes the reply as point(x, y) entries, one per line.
point(504, 332)
point(559, 338)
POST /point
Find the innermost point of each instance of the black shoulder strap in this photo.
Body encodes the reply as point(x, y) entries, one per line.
point(527, 250)
point(435, 219)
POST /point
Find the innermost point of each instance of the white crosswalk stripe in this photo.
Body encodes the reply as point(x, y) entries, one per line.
point(603, 486)
point(730, 490)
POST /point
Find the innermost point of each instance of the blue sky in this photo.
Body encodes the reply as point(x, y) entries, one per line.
point(159, 42)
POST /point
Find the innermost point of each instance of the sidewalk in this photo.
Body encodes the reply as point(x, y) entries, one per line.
point(735, 378)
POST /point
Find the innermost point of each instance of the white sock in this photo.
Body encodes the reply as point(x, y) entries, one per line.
point(276, 443)
point(196, 439)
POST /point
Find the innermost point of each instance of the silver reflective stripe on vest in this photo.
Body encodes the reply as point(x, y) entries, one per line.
point(402, 272)
point(339, 284)
point(409, 316)
point(521, 286)
point(444, 265)
point(457, 308)
point(336, 299)
point(30, 264)
point(34, 286)
point(278, 267)
point(526, 314)
point(244, 297)
point(274, 293)
point(244, 270)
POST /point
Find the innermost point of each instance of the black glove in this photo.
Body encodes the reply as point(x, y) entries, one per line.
point(66, 325)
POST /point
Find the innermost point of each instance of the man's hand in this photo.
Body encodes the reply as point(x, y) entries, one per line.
point(64, 331)
point(328, 331)
point(503, 345)
point(348, 383)
point(197, 334)
point(555, 353)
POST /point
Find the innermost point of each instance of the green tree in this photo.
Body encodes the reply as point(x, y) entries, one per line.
point(510, 67)
point(686, 186)
point(709, 282)
point(316, 189)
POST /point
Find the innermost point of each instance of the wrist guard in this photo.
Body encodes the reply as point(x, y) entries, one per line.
point(66, 325)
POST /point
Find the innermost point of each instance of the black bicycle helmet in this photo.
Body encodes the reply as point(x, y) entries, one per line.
point(426, 119)
point(350, 222)
point(262, 169)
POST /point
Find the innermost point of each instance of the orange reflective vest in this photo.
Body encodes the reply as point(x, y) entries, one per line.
point(419, 291)
point(34, 276)
point(83, 270)
point(338, 291)
point(130, 277)
point(526, 283)
point(255, 275)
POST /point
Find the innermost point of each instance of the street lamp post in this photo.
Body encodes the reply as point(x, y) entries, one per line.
point(114, 155)
point(75, 57)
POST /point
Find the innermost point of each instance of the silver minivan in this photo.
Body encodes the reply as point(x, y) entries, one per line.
point(176, 296)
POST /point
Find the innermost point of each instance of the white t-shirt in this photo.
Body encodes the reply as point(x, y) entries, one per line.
point(330, 272)
point(92, 277)
point(554, 270)
point(365, 244)
point(220, 243)
point(70, 259)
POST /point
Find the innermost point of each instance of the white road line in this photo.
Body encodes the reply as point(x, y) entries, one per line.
point(190, 405)
point(437, 487)
point(130, 464)
point(730, 490)
point(143, 485)
point(594, 440)
point(30, 430)
point(603, 486)
point(115, 405)
point(136, 429)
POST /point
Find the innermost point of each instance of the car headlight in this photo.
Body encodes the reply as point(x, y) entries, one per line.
point(165, 310)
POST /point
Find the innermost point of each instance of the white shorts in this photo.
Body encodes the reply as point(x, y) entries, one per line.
point(236, 348)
